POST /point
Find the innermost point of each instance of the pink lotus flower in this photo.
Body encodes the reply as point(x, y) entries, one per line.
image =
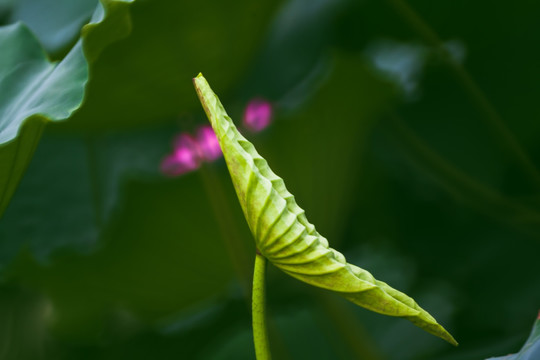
point(209, 149)
point(184, 157)
point(190, 152)
point(257, 115)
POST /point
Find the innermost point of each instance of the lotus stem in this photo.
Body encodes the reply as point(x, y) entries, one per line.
point(258, 309)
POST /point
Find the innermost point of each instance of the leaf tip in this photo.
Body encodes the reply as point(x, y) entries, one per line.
point(199, 76)
point(197, 81)
point(445, 335)
point(204, 93)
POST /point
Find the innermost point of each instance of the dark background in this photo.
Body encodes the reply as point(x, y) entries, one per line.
point(407, 130)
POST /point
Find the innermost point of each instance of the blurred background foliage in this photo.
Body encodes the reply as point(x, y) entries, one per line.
point(406, 129)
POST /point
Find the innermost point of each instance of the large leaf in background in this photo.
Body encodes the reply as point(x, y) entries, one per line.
point(51, 211)
point(286, 66)
point(163, 33)
point(146, 78)
point(284, 236)
point(475, 87)
point(34, 91)
point(531, 348)
point(151, 263)
point(84, 197)
point(56, 23)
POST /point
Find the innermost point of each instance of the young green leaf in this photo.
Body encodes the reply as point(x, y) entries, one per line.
point(285, 237)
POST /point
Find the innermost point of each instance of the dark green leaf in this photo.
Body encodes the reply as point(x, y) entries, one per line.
point(55, 22)
point(144, 265)
point(146, 78)
point(34, 91)
point(531, 348)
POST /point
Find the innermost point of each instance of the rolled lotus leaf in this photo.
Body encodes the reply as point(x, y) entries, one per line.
point(285, 237)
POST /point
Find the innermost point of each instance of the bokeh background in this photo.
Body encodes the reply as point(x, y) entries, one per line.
point(407, 129)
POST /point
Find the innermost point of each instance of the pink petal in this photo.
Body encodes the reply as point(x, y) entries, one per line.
point(184, 157)
point(208, 144)
point(257, 115)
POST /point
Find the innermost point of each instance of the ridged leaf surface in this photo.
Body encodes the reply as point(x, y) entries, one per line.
point(286, 238)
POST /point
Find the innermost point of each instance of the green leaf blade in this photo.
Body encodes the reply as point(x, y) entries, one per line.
point(284, 235)
point(35, 91)
point(32, 85)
